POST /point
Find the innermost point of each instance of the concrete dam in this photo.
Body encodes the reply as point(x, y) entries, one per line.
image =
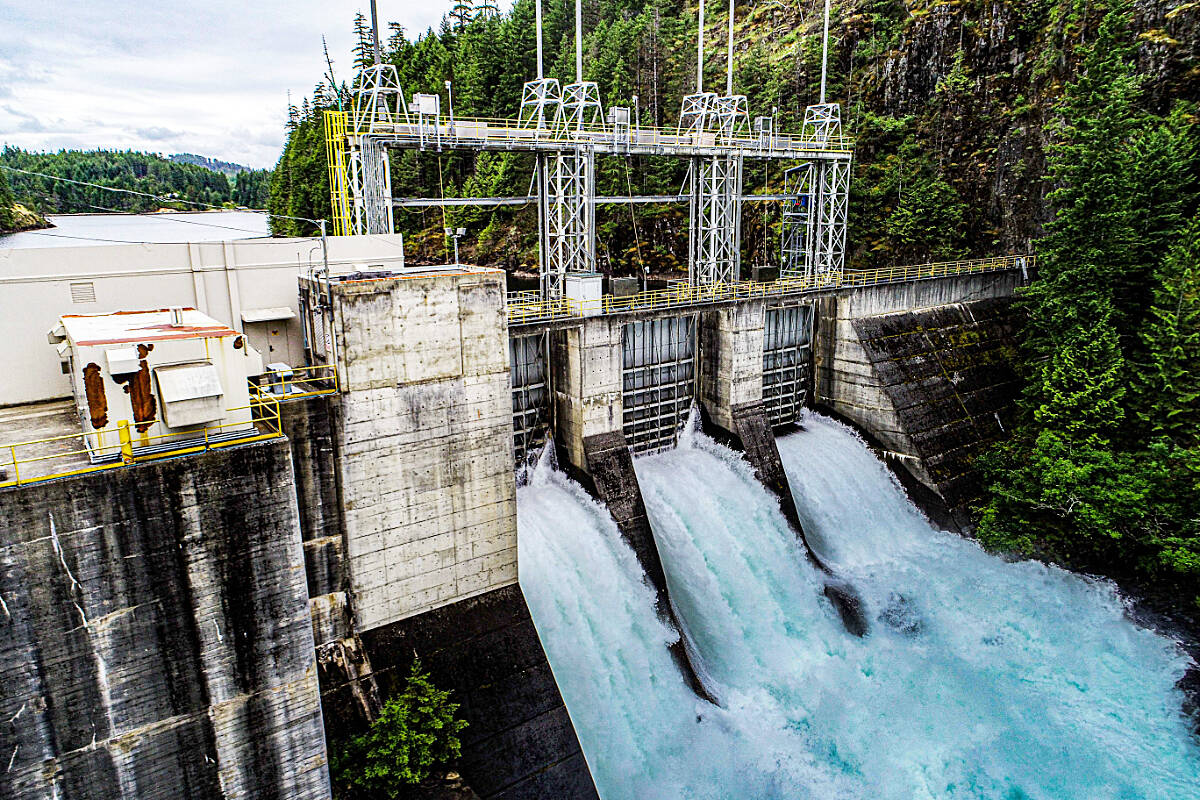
point(217, 613)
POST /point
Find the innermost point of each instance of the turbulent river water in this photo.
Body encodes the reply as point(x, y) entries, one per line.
point(979, 679)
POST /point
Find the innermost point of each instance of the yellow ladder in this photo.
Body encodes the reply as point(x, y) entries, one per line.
point(335, 150)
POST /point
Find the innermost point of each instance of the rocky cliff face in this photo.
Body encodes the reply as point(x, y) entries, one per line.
point(977, 83)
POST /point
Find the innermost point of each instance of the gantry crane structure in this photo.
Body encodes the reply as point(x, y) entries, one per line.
point(565, 127)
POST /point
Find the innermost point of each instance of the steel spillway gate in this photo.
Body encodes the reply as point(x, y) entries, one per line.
point(787, 361)
point(530, 392)
point(658, 380)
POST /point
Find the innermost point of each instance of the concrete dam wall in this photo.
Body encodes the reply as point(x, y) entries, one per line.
point(156, 640)
point(224, 617)
point(926, 370)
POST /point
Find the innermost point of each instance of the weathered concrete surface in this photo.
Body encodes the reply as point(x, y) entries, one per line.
point(425, 442)
point(888, 361)
point(586, 368)
point(948, 373)
point(731, 349)
point(309, 426)
point(519, 742)
point(156, 637)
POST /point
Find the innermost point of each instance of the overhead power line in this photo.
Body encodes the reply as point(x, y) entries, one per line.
point(160, 198)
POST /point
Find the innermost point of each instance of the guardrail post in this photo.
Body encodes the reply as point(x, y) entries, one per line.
point(126, 441)
point(12, 451)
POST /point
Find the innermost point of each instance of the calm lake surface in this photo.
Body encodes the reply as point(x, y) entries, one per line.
point(73, 230)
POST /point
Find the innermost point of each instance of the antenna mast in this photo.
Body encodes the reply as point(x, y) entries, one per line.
point(375, 33)
point(824, 52)
point(700, 52)
point(538, 14)
point(578, 41)
point(729, 66)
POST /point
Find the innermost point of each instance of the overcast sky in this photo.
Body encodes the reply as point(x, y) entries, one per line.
point(208, 76)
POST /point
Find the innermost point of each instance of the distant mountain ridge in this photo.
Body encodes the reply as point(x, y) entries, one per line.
point(226, 168)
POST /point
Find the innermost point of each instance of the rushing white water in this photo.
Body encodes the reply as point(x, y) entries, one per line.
point(979, 679)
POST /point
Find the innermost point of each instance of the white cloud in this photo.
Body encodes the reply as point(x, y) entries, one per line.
point(209, 78)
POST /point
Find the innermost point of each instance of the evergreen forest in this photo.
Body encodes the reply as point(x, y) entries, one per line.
point(185, 186)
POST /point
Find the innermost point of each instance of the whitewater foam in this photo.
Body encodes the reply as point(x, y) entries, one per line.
point(981, 678)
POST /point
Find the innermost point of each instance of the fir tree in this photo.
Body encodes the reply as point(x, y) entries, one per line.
point(1170, 377)
point(1090, 253)
point(415, 732)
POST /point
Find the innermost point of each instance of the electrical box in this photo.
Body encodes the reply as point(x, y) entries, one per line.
point(618, 115)
point(585, 291)
point(426, 104)
point(171, 375)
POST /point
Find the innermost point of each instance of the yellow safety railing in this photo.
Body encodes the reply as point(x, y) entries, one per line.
point(298, 382)
point(525, 310)
point(339, 179)
point(24, 467)
point(537, 310)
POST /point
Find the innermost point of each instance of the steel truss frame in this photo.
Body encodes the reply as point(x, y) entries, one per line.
point(371, 187)
point(580, 106)
point(813, 237)
point(378, 100)
point(715, 220)
point(568, 217)
point(541, 103)
point(694, 115)
point(730, 116)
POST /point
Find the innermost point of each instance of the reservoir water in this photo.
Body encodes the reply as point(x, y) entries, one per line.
point(980, 678)
point(74, 230)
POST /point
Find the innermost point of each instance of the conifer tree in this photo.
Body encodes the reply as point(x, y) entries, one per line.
point(1170, 378)
point(1089, 255)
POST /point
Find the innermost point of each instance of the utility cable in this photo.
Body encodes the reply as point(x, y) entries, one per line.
point(633, 217)
point(158, 197)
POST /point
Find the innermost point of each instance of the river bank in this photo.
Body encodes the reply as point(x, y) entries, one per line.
point(17, 218)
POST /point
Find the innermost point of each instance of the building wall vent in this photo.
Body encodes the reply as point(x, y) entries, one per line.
point(83, 292)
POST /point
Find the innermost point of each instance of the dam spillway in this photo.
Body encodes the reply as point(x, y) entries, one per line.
point(980, 679)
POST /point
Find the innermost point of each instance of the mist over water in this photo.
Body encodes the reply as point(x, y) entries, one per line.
point(979, 678)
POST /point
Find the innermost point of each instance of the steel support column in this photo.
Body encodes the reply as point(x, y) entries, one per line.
point(715, 220)
point(568, 211)
point(814, 220)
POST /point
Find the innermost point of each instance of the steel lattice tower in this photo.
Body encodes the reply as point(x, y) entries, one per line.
point(378, 101)
point(569, 229)
point(716, 220)
point(814, 219)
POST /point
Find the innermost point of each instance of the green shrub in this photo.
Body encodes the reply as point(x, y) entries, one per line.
point(416, 731)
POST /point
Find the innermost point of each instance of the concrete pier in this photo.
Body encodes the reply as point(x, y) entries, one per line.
point(414, 458)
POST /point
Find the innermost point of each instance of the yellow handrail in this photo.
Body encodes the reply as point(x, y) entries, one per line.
point(267, 420)
point(522, 310)
point(311, 381)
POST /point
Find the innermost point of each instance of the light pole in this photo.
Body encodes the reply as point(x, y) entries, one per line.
point(637, 117)
point(456, 234)
point(450, 98)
